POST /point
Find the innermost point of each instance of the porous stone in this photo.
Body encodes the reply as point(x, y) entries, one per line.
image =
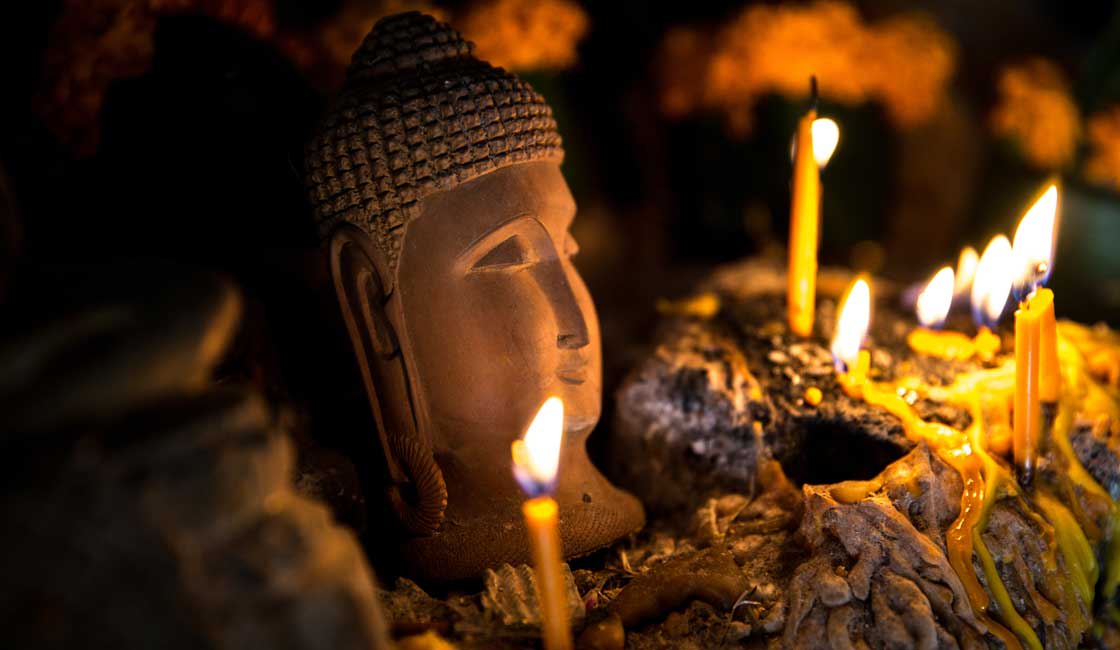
point(719, 393)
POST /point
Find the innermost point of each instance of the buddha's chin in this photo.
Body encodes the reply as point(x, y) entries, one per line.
point(489, 531)
point(582, 407)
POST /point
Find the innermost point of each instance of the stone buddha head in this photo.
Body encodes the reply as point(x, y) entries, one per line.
point(435, 181)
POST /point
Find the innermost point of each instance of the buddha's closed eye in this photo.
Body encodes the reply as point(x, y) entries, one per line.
point(517, 252)
point(511, 254)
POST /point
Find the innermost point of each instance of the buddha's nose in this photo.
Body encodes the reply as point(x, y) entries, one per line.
point(570, 322)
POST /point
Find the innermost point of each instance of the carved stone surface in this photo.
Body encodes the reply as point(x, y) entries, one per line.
point(873, 576)
point(511, 595)
point(419, 114)
point(436, 181)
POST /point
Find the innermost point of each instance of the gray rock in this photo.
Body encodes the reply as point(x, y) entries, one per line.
point(151, 509)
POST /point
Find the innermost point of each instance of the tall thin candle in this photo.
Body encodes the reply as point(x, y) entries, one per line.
point(535, 463)
point(804, 224)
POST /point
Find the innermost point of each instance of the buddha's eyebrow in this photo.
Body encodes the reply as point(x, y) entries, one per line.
point(486, 241)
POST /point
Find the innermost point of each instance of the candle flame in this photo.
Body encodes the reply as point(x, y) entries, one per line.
point(934, 301)
point(1034, 242)
point(826, 135)
point(966, 271)
point(537, 455)
point(851, 326)
point(995, 273)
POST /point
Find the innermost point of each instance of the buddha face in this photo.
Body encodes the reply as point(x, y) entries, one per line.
point(493, 320)
point(486, 318)
point(467, 319)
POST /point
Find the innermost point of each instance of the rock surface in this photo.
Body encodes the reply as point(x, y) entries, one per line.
point(151, 509)
point(720, 392)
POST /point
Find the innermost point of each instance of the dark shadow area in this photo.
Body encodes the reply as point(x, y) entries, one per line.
point(835, 450)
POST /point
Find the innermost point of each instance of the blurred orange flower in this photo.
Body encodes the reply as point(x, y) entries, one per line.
point(525, 34)
point(325, 52)
point(905, 62)
point(1036, 110)
point(96, 42)
point(684, 51)
point(1103, 163)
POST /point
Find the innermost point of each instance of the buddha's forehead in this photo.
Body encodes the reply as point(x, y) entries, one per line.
point(451, 220)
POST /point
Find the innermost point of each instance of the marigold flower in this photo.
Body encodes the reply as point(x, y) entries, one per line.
point(525, 34)
point(1103, 163)
point(1036, 110)
point(905, 62)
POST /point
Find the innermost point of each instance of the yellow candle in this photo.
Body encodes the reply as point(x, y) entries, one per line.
point(931, 309)
point(541, 519)
point(804, 227)
point(1028, 410)
point(1034, 255)
point(535, 462)
point(1049, 371)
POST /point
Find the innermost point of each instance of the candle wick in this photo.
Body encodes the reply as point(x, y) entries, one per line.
point(814, 98)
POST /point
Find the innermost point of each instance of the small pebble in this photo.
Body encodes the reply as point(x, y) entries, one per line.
point(427, 641)
point(813, 396)
point(730, 504)
point(676, 625)
point(775, 619)
point(833, 590)
point(738, 631)
point(606, 634)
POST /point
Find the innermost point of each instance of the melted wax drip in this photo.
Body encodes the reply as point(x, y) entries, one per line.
point(986, 480)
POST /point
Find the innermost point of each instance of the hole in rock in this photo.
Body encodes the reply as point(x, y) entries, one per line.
point(832, 451)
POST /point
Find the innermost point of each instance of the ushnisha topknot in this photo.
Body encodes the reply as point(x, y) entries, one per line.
point(418, 114)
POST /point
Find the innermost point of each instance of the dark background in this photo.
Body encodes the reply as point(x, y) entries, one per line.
point(199, 157)
point(199, 161)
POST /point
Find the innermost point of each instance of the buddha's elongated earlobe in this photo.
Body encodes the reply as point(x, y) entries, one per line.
point(362, 297)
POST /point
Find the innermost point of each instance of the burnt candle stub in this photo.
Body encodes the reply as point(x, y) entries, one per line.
point(435, 182)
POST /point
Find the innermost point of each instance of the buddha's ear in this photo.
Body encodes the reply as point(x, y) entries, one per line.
point(362, 293)
point(358, 272)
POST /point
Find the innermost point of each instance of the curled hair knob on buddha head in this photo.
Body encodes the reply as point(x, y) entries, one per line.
point(418, 114)
point(405, 42)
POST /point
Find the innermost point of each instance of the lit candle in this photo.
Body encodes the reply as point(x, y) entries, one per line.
point(535, 461)
point(966, 272)
point(814, 143)
point(1035, 330)
point(995, 274)
point(1049, 370)
point(931, 309)
point(934, 301)
point(852, 362)
point(1028, 411)
point(1033, 253)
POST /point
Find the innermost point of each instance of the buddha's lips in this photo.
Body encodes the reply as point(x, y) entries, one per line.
point(573, 374)
point(573, 367)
